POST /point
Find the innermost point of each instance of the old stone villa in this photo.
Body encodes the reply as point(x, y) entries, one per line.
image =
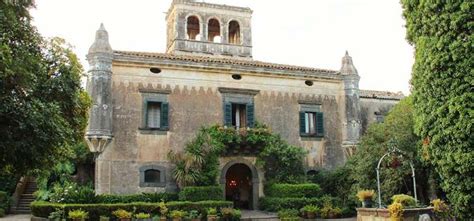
point(146, 104)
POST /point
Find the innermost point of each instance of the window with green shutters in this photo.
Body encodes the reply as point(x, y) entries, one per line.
point(239, 115)
point(156, 115)
point(311, 124)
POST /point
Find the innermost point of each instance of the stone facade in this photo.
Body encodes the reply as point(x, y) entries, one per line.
point(192, 88)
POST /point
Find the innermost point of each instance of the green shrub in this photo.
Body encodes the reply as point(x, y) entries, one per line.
point(70, 192)
point(274, 204)
point(4, 200)
point(43, 209)
point(282, 190)
point(328, 211)
point(405, 200)
point(144, 197)
point(230, 214)
point(200, 193)
point(288, 214)
point(2, 212)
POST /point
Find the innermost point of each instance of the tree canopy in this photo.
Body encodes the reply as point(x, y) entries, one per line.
point(43, 109)
point(442, 88)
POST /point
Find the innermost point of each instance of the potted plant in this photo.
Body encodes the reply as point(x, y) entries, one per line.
point(366, 196)
point(142, 216)
point(78, 215)
point(230, 214)
point(177, 215)
point(163, 210)
point(194, 215)
point(122, 215)
point(396, 211)
point(310, 211)
point(211, 214)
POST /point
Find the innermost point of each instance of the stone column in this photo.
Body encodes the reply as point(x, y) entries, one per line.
point(99, 87)
point(352, 125)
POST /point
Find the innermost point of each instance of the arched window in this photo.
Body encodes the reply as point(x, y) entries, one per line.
point(214, 30)
point(193, 27)
point(152, 176)
point(234, 32)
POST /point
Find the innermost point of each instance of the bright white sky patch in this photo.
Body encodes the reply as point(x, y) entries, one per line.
point(298, 32)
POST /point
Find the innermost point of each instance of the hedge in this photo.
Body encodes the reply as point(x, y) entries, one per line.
point(200, 193)
point(144, 197)
point(275, 204)
point(43, 209)
point(309, 190)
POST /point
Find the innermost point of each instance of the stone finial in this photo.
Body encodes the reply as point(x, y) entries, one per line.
point(101, 42)
point(348, 67)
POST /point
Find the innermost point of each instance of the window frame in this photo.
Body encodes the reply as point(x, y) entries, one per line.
point(155, 96)
point(315, 109)
point(159, 168)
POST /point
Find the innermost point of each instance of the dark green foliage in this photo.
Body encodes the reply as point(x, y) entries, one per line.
point(336, 183)
point(309, 190)
point(275, 204)
point(8, 182)
point(2, 212)
point(144, 197)
point(442, 87)
point(43, 209)
point(199, 193)
point(43, 108)
point(4, 200)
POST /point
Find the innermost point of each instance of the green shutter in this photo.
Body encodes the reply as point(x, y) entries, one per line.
point(164, 117)
point(145, 114)
point(302, 123)
point(228, 114)
point(319, 124)
point(250, 115)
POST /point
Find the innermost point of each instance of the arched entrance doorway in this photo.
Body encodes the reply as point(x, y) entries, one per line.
point(241, 184)
point(238, 187)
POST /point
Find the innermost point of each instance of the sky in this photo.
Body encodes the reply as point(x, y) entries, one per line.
point(313, 33)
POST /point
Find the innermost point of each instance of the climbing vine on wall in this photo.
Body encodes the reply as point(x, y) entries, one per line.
point(198, 164)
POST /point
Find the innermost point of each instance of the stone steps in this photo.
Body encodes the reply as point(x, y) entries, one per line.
point(26, 198)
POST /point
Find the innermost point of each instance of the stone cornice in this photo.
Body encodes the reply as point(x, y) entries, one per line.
point(127, 58)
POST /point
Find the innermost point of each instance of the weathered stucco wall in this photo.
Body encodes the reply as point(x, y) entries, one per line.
point(370, 106)
point(195, 101)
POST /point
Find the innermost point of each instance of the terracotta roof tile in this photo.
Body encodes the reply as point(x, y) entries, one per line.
point(386, 95)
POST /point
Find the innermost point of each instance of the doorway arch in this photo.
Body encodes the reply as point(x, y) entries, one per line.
point(240, 182)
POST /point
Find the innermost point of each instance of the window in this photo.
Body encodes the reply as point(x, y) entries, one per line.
point(239, 115)
point(153, 115)
point(155, 110)
point(234, 32)
point(214, 30)
point(311, 124)
point(152, 176)
point(193, 29)
point(379, 117)
point(156, 115)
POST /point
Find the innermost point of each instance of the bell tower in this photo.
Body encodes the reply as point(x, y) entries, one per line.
point(199, 28)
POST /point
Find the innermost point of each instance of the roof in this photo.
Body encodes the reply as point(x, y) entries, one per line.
point(385, 95)
point(224, 61)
